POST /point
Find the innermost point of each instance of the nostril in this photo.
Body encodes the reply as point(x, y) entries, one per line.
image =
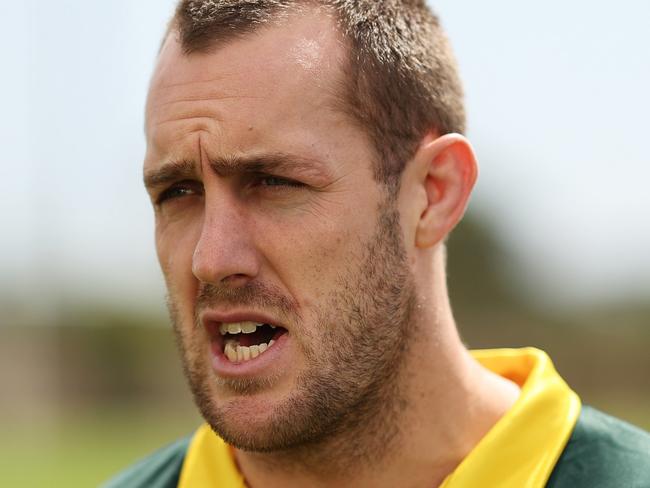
point(236, 280)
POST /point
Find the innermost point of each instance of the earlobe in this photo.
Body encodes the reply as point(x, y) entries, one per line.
point(449, 171)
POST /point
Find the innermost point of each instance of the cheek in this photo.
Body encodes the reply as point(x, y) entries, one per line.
point(311, 258)
point(175, 248)
point(176, 242)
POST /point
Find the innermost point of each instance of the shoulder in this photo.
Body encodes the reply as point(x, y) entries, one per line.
point(158, 470)
point(603, 452)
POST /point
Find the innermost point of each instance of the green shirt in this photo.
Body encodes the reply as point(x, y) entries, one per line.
point(602, 452)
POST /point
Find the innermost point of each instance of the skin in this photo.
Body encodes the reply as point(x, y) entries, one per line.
point(297, 234)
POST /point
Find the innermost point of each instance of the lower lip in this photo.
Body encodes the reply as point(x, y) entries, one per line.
point(263, 363)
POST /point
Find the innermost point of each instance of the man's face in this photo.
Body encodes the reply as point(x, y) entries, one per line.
point(268, 219)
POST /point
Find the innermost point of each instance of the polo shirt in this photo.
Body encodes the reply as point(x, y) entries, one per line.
point(546, 439)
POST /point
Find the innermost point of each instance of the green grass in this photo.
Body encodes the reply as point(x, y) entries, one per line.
point(86, 451)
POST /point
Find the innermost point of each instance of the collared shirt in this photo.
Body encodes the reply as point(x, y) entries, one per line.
point(545, 439)
point(519, 451)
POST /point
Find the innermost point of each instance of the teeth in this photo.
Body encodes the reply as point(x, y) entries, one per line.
point(239, 327)
point(248, 327)
point(240, 354)
point(234, 328)
point(231, 351)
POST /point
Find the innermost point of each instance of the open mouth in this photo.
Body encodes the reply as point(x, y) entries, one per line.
point(243, 341)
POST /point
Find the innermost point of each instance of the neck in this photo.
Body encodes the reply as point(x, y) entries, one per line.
point(442, 405)
point(438, 425)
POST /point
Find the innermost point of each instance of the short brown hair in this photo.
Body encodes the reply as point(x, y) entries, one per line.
point(401, 79)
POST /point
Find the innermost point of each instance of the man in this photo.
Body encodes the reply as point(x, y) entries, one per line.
point(305, 163)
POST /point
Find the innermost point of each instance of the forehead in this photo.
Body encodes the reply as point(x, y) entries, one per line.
point(281, 82)
point(308, 46)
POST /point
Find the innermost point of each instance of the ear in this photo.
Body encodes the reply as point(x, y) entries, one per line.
point(447, 170)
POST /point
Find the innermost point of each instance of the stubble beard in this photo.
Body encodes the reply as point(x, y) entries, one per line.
point(347, 403)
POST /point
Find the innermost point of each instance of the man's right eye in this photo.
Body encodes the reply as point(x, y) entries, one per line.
point(179, 190)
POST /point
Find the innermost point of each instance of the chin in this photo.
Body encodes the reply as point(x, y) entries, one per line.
point(255, 424)
point(247, 414)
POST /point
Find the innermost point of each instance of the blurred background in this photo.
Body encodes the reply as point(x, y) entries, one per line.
point(553, 252)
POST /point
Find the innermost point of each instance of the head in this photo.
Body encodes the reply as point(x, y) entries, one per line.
point(304, 174)
point(400, 82)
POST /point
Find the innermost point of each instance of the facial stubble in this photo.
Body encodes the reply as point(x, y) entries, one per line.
point(348, 399)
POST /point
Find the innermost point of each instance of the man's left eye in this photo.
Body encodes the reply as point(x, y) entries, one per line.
point(276, 181)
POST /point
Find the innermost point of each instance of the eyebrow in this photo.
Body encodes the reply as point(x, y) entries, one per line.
point(185, 169)
point(173, 171)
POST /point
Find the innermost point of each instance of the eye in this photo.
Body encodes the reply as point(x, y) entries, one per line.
point(179, 190)
point(277, 181)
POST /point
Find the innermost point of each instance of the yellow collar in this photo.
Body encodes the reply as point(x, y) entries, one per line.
point(209, 462)
point(519, 451)
point(523, 446)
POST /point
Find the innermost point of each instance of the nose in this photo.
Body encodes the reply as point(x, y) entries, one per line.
point(225, 252)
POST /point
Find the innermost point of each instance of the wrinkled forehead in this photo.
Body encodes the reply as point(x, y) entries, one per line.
point(298, 54)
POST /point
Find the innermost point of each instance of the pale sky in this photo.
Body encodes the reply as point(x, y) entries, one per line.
point(557, 99)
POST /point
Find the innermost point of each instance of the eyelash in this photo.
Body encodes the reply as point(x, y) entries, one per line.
point(185, 188)
point(188, 188)
point(278, 179)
